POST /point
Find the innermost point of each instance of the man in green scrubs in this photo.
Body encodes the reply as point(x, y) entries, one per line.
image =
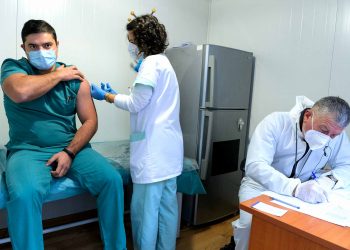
point(41, 98)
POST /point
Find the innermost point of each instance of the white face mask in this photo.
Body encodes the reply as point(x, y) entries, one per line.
point(316, 139)
point(133, 51)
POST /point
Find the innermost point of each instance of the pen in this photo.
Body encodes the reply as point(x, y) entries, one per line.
point(313, 175)
point(284, 202)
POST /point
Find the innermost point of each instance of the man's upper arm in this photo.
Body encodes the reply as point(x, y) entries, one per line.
point(85, 106)
point(11, 72)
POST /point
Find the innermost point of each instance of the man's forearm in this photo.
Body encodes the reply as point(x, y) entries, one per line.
point(24, 88)
point(83, 136)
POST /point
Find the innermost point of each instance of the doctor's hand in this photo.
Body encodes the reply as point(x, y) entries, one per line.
point(97, 93)
point(311, 192)
point(106, 87)
point(60, 164)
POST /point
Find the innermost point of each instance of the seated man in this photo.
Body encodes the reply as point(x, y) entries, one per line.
point(288, 152)
point(41, 98)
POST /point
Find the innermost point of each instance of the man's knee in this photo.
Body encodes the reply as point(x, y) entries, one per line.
point(27, 194)
point(112, 177)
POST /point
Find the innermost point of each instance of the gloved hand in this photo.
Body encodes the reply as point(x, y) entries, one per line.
point(326, 183)
point(137, 64)
point(97, 93)
point(106, 87)
point(311, 191)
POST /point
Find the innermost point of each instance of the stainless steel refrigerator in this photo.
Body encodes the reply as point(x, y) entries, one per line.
point(215, 90)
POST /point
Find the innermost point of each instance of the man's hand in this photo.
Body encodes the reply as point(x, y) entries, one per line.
point(326, 182)
point(63, 164)
point(69, 73)
point(311, 191)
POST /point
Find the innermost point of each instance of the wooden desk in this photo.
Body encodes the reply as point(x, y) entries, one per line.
point(293, 230)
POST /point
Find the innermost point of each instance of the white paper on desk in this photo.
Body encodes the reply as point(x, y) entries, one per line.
point(269, 209)
point(336, 211)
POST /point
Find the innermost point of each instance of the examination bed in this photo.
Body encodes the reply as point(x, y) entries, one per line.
point(118, 154)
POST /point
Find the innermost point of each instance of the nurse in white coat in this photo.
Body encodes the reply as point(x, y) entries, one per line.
point(288, 152)
point(156, 142)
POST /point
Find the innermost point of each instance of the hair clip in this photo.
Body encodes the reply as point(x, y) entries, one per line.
point(133, 14)
point(153, 11)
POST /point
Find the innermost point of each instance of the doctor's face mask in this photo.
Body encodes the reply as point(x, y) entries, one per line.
point(314, 138)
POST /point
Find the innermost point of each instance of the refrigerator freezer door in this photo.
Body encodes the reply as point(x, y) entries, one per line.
point(187, 63)
point(223, 151)
point(226, 78)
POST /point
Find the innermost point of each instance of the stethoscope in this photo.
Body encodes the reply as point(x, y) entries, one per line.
point(327, 150)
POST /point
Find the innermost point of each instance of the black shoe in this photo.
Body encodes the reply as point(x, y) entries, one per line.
point(230, 246)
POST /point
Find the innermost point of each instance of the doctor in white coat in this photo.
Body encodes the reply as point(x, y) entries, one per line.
point(288, 152)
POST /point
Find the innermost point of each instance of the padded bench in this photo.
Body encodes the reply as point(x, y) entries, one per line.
point(118, 154)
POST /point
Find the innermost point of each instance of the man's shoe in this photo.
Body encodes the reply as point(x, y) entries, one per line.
point(230, 246)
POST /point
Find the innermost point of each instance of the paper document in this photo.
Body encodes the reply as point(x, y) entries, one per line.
point(336, 211)
point(269, 209)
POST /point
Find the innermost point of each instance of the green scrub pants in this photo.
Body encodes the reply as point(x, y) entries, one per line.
point(28, 182)
point(154, 215)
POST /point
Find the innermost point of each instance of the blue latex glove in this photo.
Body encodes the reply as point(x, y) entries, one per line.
point(106, 87)
point(138, 64)
point(97, 93)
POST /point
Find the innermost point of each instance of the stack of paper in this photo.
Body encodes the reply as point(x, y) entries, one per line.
point(336, 211)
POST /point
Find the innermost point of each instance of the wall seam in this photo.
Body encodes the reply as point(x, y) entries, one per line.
point(16, 35)
point(209, 19)
point(333, 49)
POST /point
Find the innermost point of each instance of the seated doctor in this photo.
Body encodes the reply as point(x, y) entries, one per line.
point(287, 155)
point(156, 144)
point(42, 98)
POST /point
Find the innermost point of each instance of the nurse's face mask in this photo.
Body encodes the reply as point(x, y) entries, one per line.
point(133, 51)
point(42, 59)
point(314, 138)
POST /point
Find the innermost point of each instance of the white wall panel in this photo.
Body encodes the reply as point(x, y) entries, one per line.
point(7, 49)
point(340, 74)
point(92, 36)
point(291, 40)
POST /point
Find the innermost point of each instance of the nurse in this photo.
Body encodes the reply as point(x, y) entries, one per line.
point(156, 138)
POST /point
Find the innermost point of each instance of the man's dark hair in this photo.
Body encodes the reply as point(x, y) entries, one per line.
point(37, 26)
point(150, 35)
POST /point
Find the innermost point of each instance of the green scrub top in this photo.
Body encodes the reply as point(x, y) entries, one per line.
point(46, 123)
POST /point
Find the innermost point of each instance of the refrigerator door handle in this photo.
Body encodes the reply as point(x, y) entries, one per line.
point(240, 124)
point(206, 154)
point(210, 88)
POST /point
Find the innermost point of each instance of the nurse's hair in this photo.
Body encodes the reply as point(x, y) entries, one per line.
point(37, 26)
point(150, 35)
point(334, 106)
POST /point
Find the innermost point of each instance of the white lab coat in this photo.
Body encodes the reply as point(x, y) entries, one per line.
point(272, 153)
point(271, 156)
point(156, 144)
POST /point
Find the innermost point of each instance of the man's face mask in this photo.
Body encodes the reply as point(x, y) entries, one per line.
point(42, 59)
point(314, 138)
point(133, 51)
